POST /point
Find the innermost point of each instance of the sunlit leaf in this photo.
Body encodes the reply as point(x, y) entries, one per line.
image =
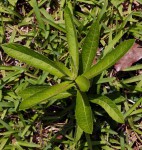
point(83, 113)
point(45, 94)
point(109, 59)
point(110, 107)
point(133, 108)
point(90, 46)
point(32, 90)
point(32, 58)
point(37, 13)
point(71, 38)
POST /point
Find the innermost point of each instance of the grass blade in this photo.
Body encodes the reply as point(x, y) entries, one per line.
point(37, 13)
point(3, 143)
point(132, 79)
point(113, 42)
point(27, 144)
point(48, 19)
point(133, 108)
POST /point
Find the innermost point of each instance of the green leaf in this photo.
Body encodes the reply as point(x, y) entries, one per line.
point(13, 2)
point(109, 59)
point(103, 10)
point(7, 126)
point(37, 13)
point(32, 90)
point(71, 38)
point(90, 46)
point(45, 94)
point(27, 144)
point(9, 11)
point(83, 113)
point(49, 20)
point(32, 58)
point(110, 107)
point(132, 79)
point(132, 68)
point(78, 134)
point(64, 69)
point(133, 108)
point(3, 143)
point(113, 42)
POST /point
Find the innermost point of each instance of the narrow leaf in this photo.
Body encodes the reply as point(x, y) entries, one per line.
point(78, 134)
point(110, 107)
point(3, 143)
point(113, 42)
point(49, 20)
point(32, 90)
point(133, 108)
point(7, 126)
point(32, 58)
point(110, 59)
point(83, 113)
point(37, 13)
point(64, 69)
point(132, 79)
point(103, 10)
point(90, 46)
point(27, 144)
point(45, 94)
point(71, 38)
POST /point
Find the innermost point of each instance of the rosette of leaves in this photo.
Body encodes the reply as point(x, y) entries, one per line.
point(77, 77)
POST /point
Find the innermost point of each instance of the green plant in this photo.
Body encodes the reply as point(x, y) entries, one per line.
point(78, 78)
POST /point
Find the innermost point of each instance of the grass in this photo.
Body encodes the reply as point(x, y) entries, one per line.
point(51, 125)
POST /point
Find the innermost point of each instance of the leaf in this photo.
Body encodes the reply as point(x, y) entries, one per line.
point(132, 79)
point(113, 42)
point(110, 107)
point(9, 11)
point(109, 59)
point(133, 68)
point(64, 69)
point(13, 2)
point(7, 126)
point(90, 46)
point(133, 108)
point(132, 56)
point(27, 144)
point(3, 143)
point(78, 134)
point(48, 19)
point(32, 58)
point(103, 10)
point(71, 38)
point(32, 90)
point(83, 113)
point(37, 13)
point(45, 94)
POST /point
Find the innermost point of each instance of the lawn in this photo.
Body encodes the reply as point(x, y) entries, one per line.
point(70, 75)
